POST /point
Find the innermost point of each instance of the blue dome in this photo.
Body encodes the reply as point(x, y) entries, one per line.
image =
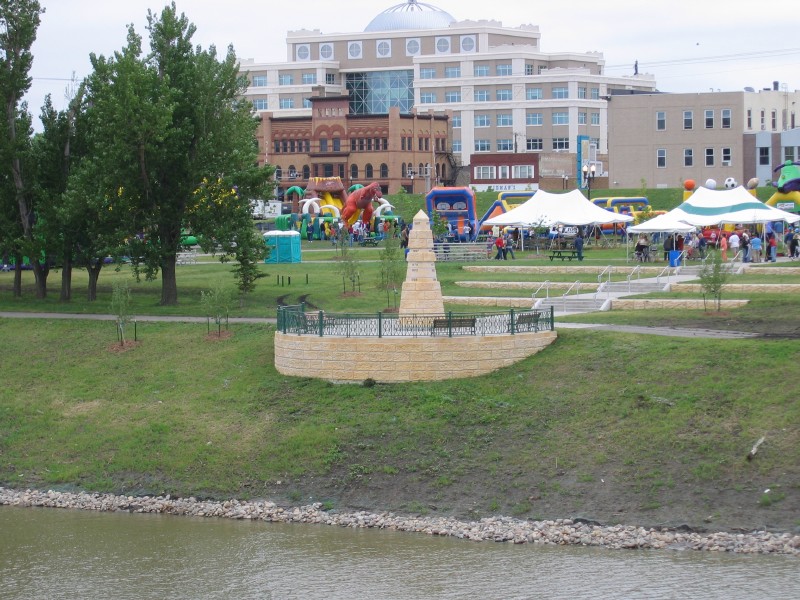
point(411, 15)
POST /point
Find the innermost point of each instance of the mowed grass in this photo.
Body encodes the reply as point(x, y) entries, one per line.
point(186, 415)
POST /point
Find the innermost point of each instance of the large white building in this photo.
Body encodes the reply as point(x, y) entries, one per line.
point(502, 93)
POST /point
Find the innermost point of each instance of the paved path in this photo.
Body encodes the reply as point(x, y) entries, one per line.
point(665, 331)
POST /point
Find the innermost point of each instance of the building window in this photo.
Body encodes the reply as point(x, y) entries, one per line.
point(533, 93)
point(561, 118)
point(774, 120)
point(505, 145)
point(456, 145)
point(353, 172)
point(581, 118)
point(561, 143)
point(763, 156)
point(503, 95)
point(306, 172)
point(534, 118)
point(485, 172)
point(452, 97)
point(427, 98)
point(452, 72)
point(763, 119)
point(534, 144)
point(595, 118)
point(688, 119)
point(503, 70)
point(726, 118)
point(483, 121)
point(727, 154)
point(368, 171)
point(502, 172)
point(504, 120)
point(529, 70)
point(330, 78)
point(259, 80)
point(661, 120)
point(337, 145)
point(688, 157)
point(661, 158)
point(582, 93)
point(384, 171)
point(427, 73)
point(286, 79)
point(481, 95)
point(482, 146)
point(323, 144)
point(306, 102)
point(709, 118)
point(709, 157)
point(287, 103)
point(788, 154)
point(595, 93)
point(561, 93)
point(481, 71)
point(749, 118)
point(260, 104)
point(277, 146)
point(456, 121)
point(522, 172)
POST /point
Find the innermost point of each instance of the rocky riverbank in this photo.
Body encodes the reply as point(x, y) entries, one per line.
point(497, 529)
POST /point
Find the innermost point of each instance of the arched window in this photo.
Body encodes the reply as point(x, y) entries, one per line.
point(353, 172)
point(278, 173)
point(384, 171)
point(368, 174)
point(292, 172)
point(403, 172)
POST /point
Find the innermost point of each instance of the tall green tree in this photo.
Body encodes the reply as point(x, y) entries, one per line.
point(19, 22)
point(162, 124)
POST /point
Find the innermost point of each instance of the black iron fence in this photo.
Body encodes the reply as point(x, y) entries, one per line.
point(294, 319)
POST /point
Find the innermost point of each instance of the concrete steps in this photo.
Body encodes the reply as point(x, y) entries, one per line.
point(572, 304)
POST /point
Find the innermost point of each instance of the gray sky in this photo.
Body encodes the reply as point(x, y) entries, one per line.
point(689, 45)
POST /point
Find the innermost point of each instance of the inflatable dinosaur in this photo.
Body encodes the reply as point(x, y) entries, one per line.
point(361, 200)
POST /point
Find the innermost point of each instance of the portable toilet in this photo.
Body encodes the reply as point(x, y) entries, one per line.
point(284, 246)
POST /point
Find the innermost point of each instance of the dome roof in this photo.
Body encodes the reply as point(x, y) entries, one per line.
point(411, 15)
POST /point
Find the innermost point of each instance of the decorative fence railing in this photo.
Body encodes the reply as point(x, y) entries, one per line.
point(294, 319)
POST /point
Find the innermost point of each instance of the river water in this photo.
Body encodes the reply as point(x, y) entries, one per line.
point(48, 553)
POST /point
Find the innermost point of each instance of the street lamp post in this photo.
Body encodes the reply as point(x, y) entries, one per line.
point(588, 176)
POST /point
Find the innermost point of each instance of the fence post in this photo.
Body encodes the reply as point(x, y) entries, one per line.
point(552, 318)
point(513, 323)
point(380, 324)
point(450, 323)
point(321, 324)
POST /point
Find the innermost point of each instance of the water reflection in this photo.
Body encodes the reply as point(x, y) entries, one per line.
point(47, 553)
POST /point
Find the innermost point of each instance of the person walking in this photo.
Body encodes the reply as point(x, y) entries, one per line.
point(579, 244)
point(499, 244)
point(723, 246)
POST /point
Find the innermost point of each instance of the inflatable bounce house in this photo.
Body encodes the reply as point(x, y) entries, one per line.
point(457, 205)
point(504, 203)
point(325, 200)
point(788, 195)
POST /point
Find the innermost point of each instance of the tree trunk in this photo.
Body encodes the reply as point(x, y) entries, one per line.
point(169, 284)
point(18, 276)
point(66, 280)
point(94, 275)
point(40, 273)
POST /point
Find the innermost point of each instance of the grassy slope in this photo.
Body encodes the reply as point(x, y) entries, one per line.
point(615, 427)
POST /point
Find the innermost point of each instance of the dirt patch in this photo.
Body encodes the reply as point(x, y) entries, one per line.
point(217, 336)
point(118, 348)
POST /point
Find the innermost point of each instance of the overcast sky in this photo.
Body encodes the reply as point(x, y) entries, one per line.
point(689, 45)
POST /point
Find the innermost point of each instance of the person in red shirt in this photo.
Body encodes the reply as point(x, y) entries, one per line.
point(500, 244)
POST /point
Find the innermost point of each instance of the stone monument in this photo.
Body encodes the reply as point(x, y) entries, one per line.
point(421, 291)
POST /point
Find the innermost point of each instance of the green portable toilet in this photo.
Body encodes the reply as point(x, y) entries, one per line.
point(284, 246)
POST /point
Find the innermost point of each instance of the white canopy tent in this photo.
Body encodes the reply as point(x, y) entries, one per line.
point(545, 209)
point(666, 223)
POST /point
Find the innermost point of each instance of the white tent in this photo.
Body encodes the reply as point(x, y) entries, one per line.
point(666, 222)
point(707, 208)
point(545, 209)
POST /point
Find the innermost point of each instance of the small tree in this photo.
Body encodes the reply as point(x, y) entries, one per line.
point(250, 251)
point(439, 226)
point(392, 267)
point(120, 306)
point(216, 304)
point(348, 266)
point(713, 278)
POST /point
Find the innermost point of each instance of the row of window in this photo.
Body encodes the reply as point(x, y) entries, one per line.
point(506, 95)
point(773, 120)
point(508, 145)
point(288, 79)
point(361, 144)
point(368, 172)
point(532, 119)
point(709, 119)
point(503, 172)
point(709, 157)
point(284, 103)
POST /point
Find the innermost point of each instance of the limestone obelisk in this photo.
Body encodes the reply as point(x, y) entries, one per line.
point(421, 292)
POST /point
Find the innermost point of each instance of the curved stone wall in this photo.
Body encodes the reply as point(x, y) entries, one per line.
point(397, 360)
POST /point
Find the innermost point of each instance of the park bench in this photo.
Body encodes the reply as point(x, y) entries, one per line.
point(563, 254)
point(450, 324)
point(368, 241)
point(186, 258)
point(527, 322)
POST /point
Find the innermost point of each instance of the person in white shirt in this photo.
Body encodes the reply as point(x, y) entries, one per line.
point(733, 243)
